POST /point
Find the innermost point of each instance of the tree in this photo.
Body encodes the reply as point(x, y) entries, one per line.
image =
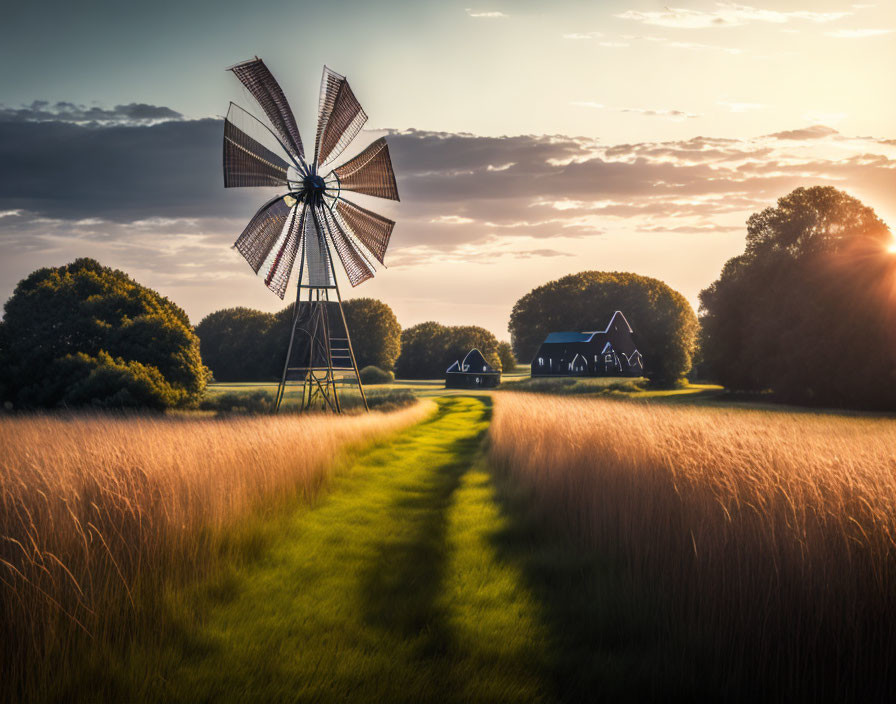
point(505, 353)
point(460, 339)
point(375, 332)
point(422, 351)
point(662, 318)
point(807, 311)
point(429, 348)
point(231, 341)
point(85, 334)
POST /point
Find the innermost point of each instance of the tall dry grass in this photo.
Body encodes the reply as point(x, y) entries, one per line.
point(99, 513)
point(766, 540)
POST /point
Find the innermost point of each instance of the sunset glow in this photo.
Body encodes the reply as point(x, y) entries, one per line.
point(636, 138)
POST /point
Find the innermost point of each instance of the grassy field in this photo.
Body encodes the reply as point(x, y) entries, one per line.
point(384, 592)
point(99, 513)
point(517, 380)
point(563, 546)
point(767, 540)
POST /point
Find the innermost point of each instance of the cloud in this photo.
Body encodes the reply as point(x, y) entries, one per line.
point(676, 115)
point(725, 15)
point(130, 114)
point(451, 220)
point(858, 33)
point(492, 15)
point(149, 198)
point(814, 132)
point(663, 112)
point(664, 41)
point(120, 172)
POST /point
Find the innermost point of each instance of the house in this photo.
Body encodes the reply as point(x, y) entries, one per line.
point(472, 373)
point(612, 351)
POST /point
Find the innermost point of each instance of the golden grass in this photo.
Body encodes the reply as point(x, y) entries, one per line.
point(767, 538)
point(96, 509)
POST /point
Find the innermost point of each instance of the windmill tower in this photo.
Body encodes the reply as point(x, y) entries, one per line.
point(310, 221)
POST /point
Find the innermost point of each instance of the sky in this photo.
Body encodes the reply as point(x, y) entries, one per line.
point(530, 140)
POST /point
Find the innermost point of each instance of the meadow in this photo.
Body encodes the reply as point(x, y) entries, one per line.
point(99, 514)
point(761, 544)
point(594, 540)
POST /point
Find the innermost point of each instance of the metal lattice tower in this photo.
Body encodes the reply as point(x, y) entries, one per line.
point(310, 221)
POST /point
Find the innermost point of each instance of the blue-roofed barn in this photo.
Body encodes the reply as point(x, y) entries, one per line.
point(609, 352)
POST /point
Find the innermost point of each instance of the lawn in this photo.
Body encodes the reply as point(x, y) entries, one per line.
point(418, 577)
point(389, 589)
point(579, 545)
point(517, 380)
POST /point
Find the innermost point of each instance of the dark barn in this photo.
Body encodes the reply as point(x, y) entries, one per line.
point(472, 373)
point(609, 352)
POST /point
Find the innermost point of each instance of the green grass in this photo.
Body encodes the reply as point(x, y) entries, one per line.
point(420, 575)
point(614, 387)
point(259, 398)
point(517, 380)
point(391, 588)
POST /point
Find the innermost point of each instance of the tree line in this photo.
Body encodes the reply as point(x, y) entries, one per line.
point(807, 312)
point(241, 344)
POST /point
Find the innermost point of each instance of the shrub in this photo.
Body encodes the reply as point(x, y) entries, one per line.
point(374, 375)
point(251, 402)
point(390, 399)
point(232, 344)
point(85, 334)
point(505, 353)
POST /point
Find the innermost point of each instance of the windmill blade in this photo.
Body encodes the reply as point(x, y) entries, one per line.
point(317, 254)
point(372, 230)
point(352, 260)
point(280, 270)
point(248, 162)
point(263, 231)
point(370, 172)
point(339, 117)
point(260, 82)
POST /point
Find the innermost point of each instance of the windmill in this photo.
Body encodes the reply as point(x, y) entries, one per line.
point(310, 220)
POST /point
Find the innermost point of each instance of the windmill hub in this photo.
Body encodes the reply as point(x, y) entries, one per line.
point(314, 185)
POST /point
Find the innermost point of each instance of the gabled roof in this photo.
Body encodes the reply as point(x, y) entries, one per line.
point(618, 314)
point(473, 357)
point(554, 337)
point(569, 337)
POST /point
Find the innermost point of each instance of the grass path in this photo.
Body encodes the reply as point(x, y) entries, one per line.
point(390, 589)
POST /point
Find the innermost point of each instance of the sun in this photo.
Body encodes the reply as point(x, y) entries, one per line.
point(892, 248)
